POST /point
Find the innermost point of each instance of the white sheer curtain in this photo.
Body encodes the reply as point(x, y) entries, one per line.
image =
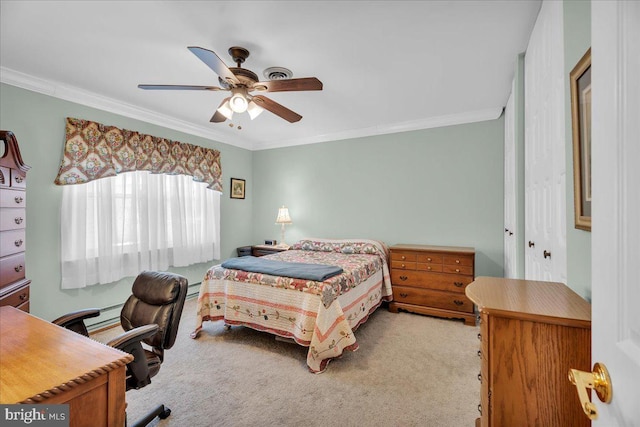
point(118, 226)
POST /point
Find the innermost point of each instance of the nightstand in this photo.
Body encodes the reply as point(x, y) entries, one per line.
point(262, 250)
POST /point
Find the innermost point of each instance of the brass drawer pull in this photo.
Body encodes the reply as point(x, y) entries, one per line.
point(479, 353)
point(18, 268)
point(403, 266)
point(403, 257)
point(18, 220)
point(18, 242)
point(457, 261)
point(429, 268)
point(480, 409)
point(23, 296)
point(403, 278)
point(480, 337)
point(403, 295)
point(19, 179)
point(458, 302)
point(18, 199)
point(428, 259)
point(457, 270)
point(480, 378)
point(458, 284)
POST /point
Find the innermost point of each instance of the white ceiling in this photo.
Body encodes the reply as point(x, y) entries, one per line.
point(386, 66)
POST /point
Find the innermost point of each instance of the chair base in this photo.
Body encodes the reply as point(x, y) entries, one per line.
point(161, 412)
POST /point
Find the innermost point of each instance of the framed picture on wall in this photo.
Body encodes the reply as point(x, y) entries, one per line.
point(237, 188)
point(580, 79)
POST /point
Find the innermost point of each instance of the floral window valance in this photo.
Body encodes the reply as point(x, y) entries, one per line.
point(93, 151)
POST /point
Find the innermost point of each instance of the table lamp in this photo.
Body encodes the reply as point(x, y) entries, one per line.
point(283, 218)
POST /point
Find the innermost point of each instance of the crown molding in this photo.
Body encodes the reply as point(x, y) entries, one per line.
point(94, 100)
point(431, 122)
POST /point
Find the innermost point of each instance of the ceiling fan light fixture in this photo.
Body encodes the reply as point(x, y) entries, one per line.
point(225, 110)
point(254, 110)
point(238, 102)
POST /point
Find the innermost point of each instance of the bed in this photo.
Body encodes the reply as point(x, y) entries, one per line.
point(321, 315)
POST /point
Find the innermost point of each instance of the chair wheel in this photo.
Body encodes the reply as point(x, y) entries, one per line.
point(164, 414)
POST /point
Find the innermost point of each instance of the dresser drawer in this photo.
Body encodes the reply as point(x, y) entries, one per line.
point(12, 198)
point(457, 269)
point(458, 260)
point(437, 299)
point(403, 265)
point(403, 256)
point(11, 268)
point(427, 280)
point(429, 258)
point(12, 218)
point(17, 298)
point(12, 241)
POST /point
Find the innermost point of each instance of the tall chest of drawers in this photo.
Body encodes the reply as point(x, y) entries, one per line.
point(14, 286)
point(432, 280)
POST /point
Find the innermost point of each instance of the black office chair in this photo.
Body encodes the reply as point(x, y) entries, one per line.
point(150, 315)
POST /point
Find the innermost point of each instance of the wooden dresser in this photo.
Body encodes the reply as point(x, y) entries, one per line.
point(14, 286)
point(531, 334)
point(432, 279)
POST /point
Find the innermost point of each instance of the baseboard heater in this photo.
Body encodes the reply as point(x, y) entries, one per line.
point(111, 315)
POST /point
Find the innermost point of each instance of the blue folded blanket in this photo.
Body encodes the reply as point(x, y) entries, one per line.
point(298, 270)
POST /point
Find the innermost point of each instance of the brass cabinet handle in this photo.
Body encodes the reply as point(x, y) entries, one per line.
point(18, 242)
point(403, 295)
point(480, 337)
point(479, 353)
point(429, 268)
point(429, 259)
point(458, 284)
point(458, 302)
point(403, 257)
point(457, 270)
point(18, 220)
point(403, 266)
point(598, 380)
point(531, 244)
point(18, 268)
point(480, 378)
point(19, 179)
point(18, 199)
point(457, 261)
point(23, 297)
point(403, 278)
point(546, 254)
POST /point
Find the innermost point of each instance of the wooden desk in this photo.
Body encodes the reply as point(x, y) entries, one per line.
point(44, 363)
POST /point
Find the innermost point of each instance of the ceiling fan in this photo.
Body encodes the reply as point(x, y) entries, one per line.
point(241, 82)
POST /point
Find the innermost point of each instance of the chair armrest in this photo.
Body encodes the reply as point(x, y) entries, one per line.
point(74, 321)
point(128, 339)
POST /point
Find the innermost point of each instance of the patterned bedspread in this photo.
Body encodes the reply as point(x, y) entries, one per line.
point(320, 315)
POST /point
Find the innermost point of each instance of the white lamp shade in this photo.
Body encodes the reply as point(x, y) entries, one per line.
point(238, 103)
point(254, 110)
point(225, 110)
point(283, 216)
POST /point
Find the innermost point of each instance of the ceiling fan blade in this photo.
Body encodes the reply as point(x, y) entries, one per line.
point(277, 109)
point(214, 62)
point(178, 87)
point(307, 83)
point(218, 117)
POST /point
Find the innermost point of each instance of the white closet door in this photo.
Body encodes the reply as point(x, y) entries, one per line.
point(545, 169)
point(510, 253)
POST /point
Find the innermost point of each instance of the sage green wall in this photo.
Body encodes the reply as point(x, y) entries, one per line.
point(440, 186)
point(577, 40)
point(38, 122)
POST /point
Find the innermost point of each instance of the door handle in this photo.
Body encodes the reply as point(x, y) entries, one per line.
point(598, 380)
point(531, 244)
point(546, 254)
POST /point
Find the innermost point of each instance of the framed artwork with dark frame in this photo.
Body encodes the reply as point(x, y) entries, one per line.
point(580, 80)
point(237, 188)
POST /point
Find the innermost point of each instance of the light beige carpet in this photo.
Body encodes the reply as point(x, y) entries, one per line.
point(410, 370)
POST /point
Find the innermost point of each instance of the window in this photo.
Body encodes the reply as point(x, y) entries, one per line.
point(118, 226)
